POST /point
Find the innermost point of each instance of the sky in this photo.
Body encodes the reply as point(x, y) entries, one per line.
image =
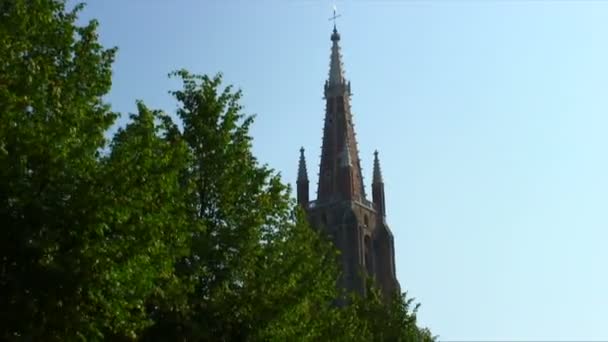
point(490, 118)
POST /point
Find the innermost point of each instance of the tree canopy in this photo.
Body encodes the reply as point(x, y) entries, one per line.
point(170, 230)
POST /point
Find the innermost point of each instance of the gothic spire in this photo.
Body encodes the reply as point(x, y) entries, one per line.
point(302, 182)
point(302, 172)
point(378, 188)
point(341, 210)
point(339, 140)
point(377, 172)
point(336, 68)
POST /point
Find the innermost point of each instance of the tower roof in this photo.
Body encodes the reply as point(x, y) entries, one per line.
point(340, 157)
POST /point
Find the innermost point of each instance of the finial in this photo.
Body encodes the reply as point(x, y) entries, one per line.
point(335, 36)
point(335, 16)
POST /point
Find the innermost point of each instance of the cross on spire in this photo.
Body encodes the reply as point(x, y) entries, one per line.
point(335, 16)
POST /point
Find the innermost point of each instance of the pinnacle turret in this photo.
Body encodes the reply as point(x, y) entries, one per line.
point(302, 172)
point(302, 182)
point(378, 187)
point(377, 178)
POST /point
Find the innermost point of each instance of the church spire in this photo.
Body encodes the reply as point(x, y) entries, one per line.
point(378, 187)
point(377, 172)
point(336, 75)
point(302, 172)
point(302, 182)
point(356, 226)
point(339, 141)
point(336, 68)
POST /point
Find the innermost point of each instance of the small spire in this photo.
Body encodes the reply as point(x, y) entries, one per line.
point(302, 172)
point(377, 172)
point(336, 69)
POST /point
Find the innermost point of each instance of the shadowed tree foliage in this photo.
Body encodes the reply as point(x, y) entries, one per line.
point(174, 233)
point(84, 239)
point(52, 124)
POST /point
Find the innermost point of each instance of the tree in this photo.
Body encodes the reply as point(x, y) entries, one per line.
point(52, 124)
point(259, 271)
point(85, 239)
point(143, 222)
point(388, 319)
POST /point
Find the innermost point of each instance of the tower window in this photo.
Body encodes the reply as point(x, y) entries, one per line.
point(365, 220)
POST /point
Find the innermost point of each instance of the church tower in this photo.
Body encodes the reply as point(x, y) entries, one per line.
point(356, 225)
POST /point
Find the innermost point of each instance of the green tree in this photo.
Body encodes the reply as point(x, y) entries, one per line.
point(386, 319)
point(85, 240)
point(259, 271)
point(142, 223)
point(52, 123)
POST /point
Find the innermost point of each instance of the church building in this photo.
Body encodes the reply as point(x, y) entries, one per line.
point(356, 225)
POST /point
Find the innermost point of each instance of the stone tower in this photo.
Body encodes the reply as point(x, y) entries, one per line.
point(357, 226)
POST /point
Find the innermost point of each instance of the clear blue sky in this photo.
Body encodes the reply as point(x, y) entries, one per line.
point(491, 119)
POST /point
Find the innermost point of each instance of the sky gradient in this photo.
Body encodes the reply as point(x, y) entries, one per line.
point(490, 119)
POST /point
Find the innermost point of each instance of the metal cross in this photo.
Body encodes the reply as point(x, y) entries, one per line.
point(335, 16)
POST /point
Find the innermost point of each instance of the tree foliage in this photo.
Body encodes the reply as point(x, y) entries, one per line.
point(52, 124)
point(177, 232)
